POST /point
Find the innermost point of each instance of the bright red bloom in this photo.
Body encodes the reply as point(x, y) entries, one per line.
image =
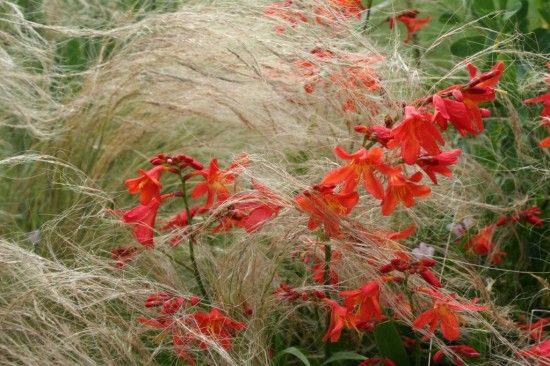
point(439, 163)
point(416, 131)
point(217, 326)
point(464, 112)
point(531, 215)
point(536, 329)
point(283, 10)
point(462, 349)
point(340, 318)
point(409, 18)
point(123, 255)
point(444, 313)
point(181, 220)
point(251, 209)
point(147, 184)
point(377, 361)
point(216, 181)
point(482, 244)
point(378, 133)
point(363, 164)
point(422, 266)
point(143, 218)
point(545, 99)
point(349, 8)
point(539, 353)
point(318, 274)
point(365, 300)
point(326, 207)
point(402, 190)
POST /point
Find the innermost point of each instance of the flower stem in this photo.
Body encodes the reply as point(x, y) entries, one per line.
point(326, 282)
point(191, 242)
point(365, 24)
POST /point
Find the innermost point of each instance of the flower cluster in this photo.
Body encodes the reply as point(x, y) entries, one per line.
point(545, 113)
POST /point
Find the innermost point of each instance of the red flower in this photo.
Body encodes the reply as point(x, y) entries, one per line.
point(143, 218)
point(147, 184)
point(539, 352)
point(181, 220)
point(216, 181)
point(413, 24)
point(340, 318)
point(251, 209)
point(123, 255)
point(362, 166)
point(444, 313)
point(482, 244)
point(284, 11)
point(464, 112)
point(536, 329)
point(438, 163)
point(349, 8)
point(545, 99)
point(326, 207)
point(378, 133)
point(367, 301)
point(402, 189)
point(457, 350)
point(318, 274)
point(416, 131)
point(531, 215)
point(216, 325)
point(403, 264)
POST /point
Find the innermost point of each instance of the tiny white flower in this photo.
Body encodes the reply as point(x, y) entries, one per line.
point(423, 251)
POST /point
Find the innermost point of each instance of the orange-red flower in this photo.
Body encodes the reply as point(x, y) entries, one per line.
point(217, 326)
point(417, 131)
point(439, 163)
point(283, 10)
point(402, 190)
point(216, 181)
point(536, 329)
point(444, 313)
point(482, 244)
point(540, 353)
point(349, 8)
point(464, 111)
point(422, 266)
point(365, 301)
point(545, 99)
point(326, 207)
point(461, 349)
point(251, 209)
point(340, 318)
point(362, 166)
point(143, 218)
point(147, 184)
point(412, 23)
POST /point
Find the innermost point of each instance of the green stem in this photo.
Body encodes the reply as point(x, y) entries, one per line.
point(365, 24)
point(326, 281)
point(191, 242)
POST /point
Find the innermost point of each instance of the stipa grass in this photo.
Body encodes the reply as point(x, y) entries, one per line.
point(215, 80)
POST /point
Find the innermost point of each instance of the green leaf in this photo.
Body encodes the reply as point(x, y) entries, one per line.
point(294, 352)
point(449, 18)
point(538, 41)
point(483, 7)
point(468, 46)
point(344, 355)
point(544, 10)
point(389, 343)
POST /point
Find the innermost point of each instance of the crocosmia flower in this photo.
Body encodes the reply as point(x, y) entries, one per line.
point(217, 326)
point(412, 23)
point(365, 300)
point(340, 318)
point(143, 218)
point(326, 207)
point(439, 163)
point(216, 181)
point(147, 184)
point(361, 167)
point(445, 314)
point(539, 353)
point(402, 190)
point(417, 131)
point(457, 351)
